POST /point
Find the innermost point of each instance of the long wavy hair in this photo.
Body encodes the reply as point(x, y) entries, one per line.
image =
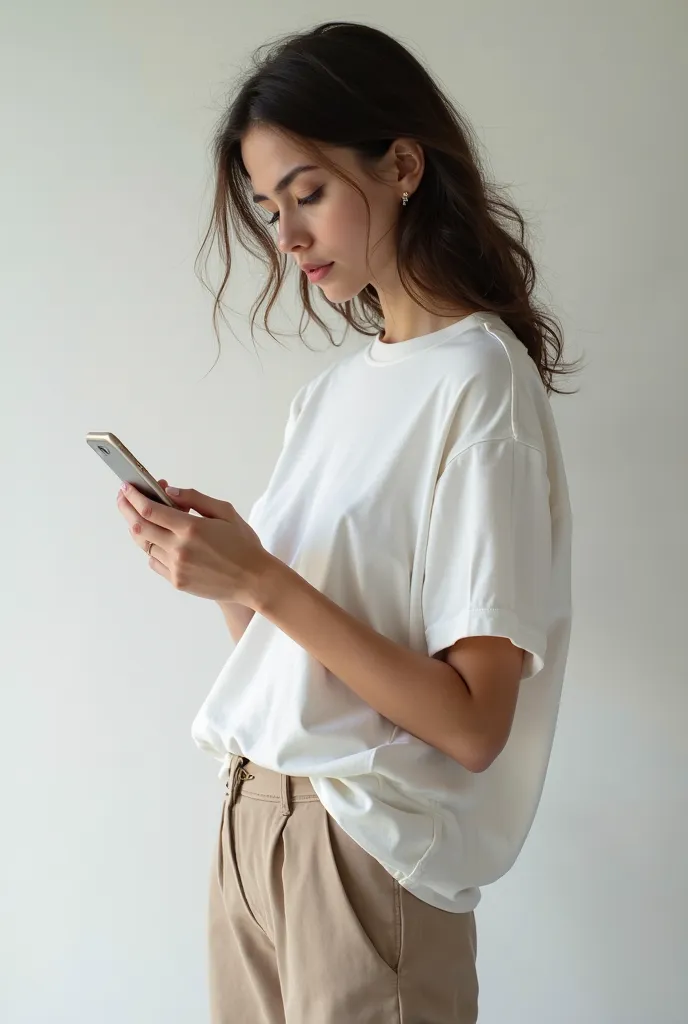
point(460, 241)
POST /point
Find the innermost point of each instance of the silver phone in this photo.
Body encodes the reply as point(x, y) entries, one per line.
point(126, 466)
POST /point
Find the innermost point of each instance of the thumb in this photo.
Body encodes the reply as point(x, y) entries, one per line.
point(188, 498)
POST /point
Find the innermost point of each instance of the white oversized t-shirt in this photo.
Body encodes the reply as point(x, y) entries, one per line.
point(421, 488)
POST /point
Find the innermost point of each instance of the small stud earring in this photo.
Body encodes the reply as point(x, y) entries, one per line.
point(404, 199)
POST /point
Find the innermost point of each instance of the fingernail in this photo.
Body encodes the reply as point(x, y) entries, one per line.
point(172, 490)
point(124, 487)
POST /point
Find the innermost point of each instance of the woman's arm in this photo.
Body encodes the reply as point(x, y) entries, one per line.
point(461, 702)
point(237, 617)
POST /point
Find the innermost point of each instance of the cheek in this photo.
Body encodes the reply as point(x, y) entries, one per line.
point(347, 230)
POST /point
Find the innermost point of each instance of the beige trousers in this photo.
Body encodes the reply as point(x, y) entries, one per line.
point(306, 928)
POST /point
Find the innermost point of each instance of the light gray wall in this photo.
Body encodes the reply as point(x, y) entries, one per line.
point(108, 811)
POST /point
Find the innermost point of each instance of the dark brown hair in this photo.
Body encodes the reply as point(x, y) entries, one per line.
point(460, 241)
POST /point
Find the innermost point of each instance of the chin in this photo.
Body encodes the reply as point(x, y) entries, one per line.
point(338, 295)
point(340, 291)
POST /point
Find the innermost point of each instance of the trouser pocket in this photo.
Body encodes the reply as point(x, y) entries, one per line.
point(367, 892)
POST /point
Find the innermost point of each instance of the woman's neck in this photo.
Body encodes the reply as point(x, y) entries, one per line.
point(404, 318)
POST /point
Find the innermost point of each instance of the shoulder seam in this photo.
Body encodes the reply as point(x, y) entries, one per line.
point(506, 352)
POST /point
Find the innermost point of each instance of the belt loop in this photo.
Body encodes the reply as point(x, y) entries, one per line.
point(285, 795)
point(233, 777)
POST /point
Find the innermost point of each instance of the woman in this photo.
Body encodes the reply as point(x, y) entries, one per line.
point(400, 596)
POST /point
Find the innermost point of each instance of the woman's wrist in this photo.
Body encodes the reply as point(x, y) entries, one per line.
point(269, 578)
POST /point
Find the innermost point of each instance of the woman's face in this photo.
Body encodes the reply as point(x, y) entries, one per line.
point(320, 219)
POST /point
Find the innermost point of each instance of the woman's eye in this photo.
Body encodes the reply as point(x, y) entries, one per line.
point(312, 198)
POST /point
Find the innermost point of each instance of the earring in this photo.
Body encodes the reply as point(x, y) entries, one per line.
point(404, 199)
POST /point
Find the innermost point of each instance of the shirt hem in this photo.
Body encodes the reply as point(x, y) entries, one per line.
point(465, 900)
point(490, 622)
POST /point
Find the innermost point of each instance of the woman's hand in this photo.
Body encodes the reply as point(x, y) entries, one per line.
point(215, 555)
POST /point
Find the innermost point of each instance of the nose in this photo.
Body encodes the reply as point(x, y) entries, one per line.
point(292, 236)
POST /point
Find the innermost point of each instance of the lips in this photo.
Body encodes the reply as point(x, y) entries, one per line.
point(316, 272)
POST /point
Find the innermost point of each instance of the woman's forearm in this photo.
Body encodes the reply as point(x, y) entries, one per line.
point(423, 695)
point(237, 617)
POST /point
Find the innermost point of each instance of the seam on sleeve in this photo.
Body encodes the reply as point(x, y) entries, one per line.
point(512, 526)
point(474, 621)
point(494, 440)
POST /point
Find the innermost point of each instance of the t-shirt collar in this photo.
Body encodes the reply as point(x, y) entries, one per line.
point(383, 352)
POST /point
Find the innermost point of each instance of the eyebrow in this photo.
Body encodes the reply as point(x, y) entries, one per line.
point(286, 181)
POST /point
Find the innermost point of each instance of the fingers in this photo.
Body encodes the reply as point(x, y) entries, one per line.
point(173, 519)
point(204, 504)
point(178, 499)
point(186, 499)
point(142, 531)
point(181, 500)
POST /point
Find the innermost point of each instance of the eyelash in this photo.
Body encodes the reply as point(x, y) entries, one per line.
point(312, 198)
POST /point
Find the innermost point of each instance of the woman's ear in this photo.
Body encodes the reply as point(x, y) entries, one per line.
point(409, 160)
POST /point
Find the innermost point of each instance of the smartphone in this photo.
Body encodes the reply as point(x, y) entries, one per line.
point(126, 467)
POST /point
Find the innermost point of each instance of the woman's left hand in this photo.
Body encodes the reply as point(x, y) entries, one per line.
point(217, 555)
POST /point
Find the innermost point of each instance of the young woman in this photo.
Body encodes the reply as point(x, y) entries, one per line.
point(400, 594)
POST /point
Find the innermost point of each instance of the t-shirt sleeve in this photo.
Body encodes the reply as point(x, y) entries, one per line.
point(488, 560)
point(295, 408)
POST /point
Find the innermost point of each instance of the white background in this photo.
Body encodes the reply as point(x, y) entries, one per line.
point(108, 811)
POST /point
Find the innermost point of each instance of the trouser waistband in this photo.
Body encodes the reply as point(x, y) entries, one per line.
point(257, 783)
